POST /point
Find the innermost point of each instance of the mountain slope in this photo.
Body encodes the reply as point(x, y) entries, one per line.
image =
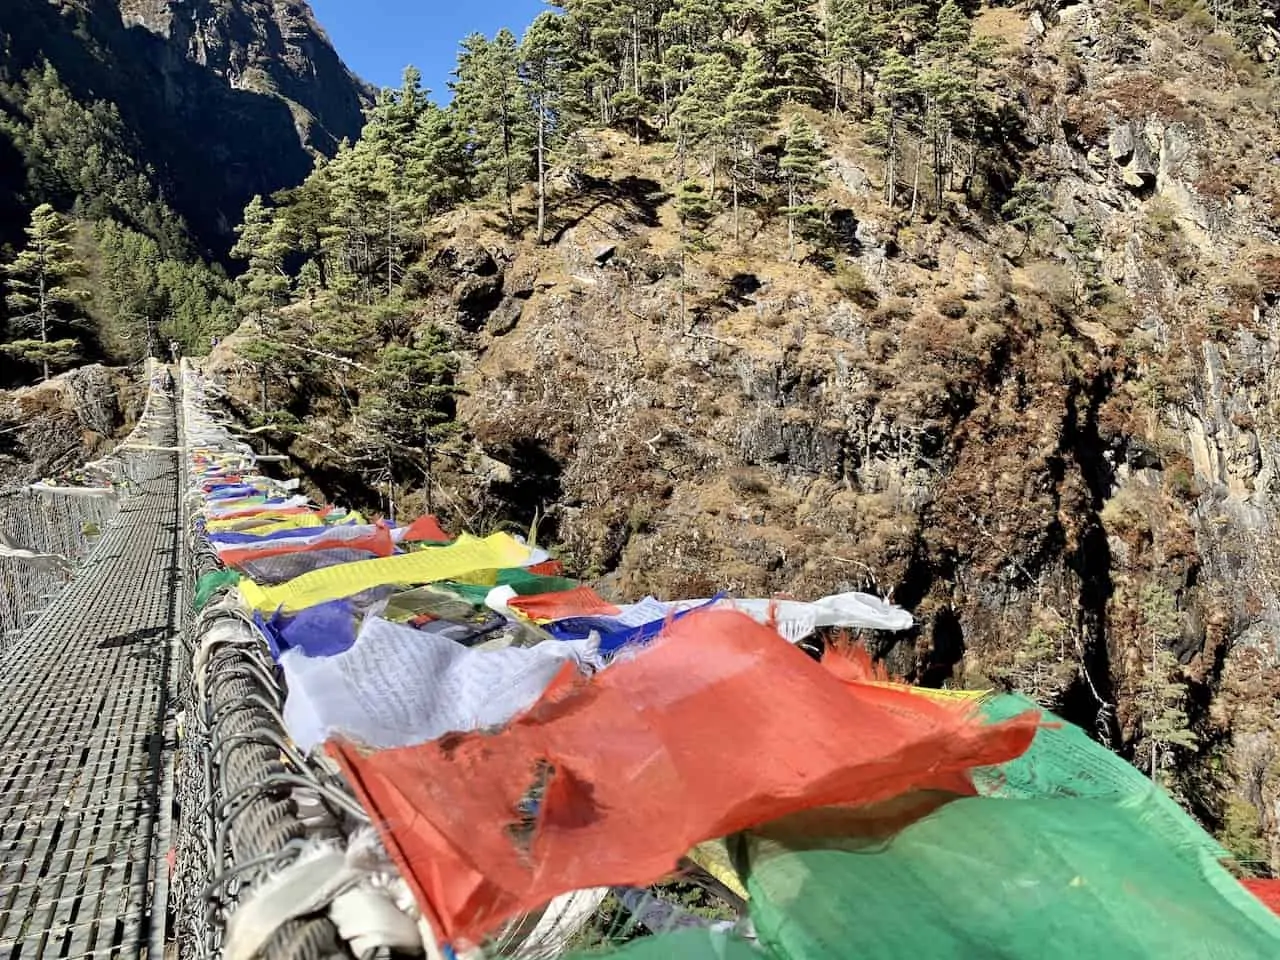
point(222, 99)
point(1019, 373)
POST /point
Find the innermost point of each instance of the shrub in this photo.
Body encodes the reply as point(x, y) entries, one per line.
point(853, 283)
point(1164, 240)
point(1181, 482)
point(880, 345)
point(1162, 218)
point(951, 305)
point(639, 519)
point(1055, 284)
point(746, 484)
point(1244, 287)
point(1125, 514)
point(1199, 20)
point(891, 311)
point(1242, 830)
point(1089, 121)
point(1267, 270)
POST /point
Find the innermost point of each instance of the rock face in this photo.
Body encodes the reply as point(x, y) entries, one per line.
point(61, 424)
point(226, 98)
point(273, 48)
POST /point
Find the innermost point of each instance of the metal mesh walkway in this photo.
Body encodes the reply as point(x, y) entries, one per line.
point(82, 735)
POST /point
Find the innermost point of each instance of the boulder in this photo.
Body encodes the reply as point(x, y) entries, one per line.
point(468, 258)
point(504, 319)
point(1120, 143)
point(475, 298)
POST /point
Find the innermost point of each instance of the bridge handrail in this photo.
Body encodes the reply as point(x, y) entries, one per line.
point(250, 804)
point(47, 531)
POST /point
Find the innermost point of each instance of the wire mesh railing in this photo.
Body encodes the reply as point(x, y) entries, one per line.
point(44, 536)
point(48, 529)
point(248, 804)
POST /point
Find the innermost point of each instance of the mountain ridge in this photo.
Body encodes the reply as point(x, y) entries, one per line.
point(226, 99)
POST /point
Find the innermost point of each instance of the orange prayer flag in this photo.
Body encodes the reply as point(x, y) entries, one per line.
point(563, 605)
point(720, 725)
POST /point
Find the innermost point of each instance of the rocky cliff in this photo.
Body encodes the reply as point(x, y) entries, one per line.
point(273, 48)
point(223, 98)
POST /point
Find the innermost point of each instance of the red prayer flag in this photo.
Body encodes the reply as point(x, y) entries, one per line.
point(378, 543)
point(720, 725)
point(564, 604)
point(425, 530)
point(1268, 891)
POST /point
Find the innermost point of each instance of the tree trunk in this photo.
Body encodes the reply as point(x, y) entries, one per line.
point(44, 324)
point(635, 51)
point(426, 444)
point(684, 243)
point(506, 172)
point(915, 184)
point(542, 175)
point(791, 221)
point(891, 165)
point(736, 232)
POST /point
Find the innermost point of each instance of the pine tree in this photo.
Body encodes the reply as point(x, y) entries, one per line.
point(263, 287)
point(695, 211)
point(306, 215)
point(544, 66)
point(494, 111)
point(801, 167)
point(351, 238)
point(700, 112)
point(858, 38)
point(1089, 285)
point(1028, 210)
point(749, 115)
point(793, 47)
point(129, 298)
point(896, 90)
point(385, 156)
point(198, 304)
point(597, 33)
point(947, 84)
point(695, 208)
point(408, 403)
point(1161, 696)
point(439, 171)
point(692, 30)
point(40, 301)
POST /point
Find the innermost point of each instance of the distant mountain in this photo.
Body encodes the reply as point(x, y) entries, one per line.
point(212, 101)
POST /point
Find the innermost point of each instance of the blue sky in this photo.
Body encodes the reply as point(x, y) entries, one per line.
point(379, 38)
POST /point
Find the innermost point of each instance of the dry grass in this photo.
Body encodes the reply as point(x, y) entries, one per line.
point(1143, 95)
point(1006, 24)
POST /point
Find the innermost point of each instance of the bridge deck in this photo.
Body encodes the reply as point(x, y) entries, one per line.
point(83, 707)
